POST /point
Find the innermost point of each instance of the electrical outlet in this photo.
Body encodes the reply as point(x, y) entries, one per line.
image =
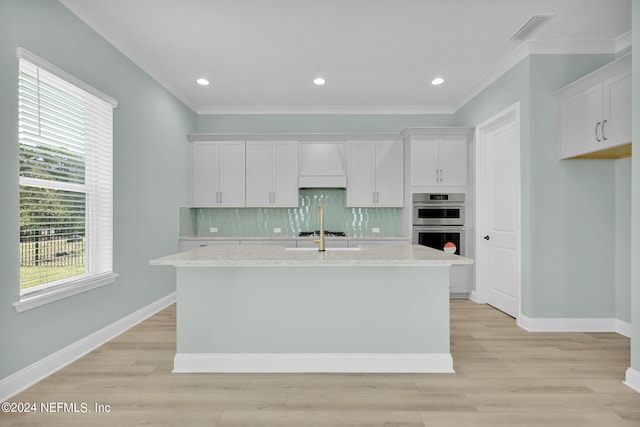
point(213, 229)
point(277, 230)
point(375, 230)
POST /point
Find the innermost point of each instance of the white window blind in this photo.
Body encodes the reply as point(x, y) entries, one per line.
point(66, 178)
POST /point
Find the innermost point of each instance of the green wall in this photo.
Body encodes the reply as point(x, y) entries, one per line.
point(150, 181)
point(571, 202)
point(635, 199)
point(623, 239)
point(568, 228)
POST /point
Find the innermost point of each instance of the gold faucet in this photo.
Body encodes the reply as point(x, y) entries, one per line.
point(320, 241)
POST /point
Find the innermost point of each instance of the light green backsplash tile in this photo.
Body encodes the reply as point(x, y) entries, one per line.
point(260, 222)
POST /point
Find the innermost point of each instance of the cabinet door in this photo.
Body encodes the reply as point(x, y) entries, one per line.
point(361, 174)
point(259, 174)
point(581, 123)
point(232, 178)
point(285, 174)
point(389, 174)
point(617, 110)
point(452, 154)
point(424, 160)
point(205, 178)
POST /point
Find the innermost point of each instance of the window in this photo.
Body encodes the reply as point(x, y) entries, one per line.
point(65, 141)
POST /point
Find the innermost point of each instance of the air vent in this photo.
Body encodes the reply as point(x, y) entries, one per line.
point(535, 22)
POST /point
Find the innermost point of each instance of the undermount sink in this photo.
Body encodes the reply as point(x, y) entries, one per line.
point(316, 249)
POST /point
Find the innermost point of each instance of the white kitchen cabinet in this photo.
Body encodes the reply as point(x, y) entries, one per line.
point(439, 160)
point(375, 176)
point(218, 174)
point(272, 174)
point(595, 113)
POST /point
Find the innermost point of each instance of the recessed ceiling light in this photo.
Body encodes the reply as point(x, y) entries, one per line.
point(319, 81)
point(437, 81)
point(202, 82)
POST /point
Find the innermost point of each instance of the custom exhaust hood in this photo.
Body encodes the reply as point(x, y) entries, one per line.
point(322, 164)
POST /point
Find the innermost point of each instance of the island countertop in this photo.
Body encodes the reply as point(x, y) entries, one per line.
point(270, 255)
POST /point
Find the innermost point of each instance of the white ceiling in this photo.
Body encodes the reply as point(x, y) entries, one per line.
point(375, 55)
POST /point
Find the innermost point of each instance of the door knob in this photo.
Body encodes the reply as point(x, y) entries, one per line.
point(487, 237)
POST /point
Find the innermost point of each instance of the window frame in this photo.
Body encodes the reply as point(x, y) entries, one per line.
point(98, 233)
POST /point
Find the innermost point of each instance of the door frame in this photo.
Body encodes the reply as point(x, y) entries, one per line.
point(509, 114)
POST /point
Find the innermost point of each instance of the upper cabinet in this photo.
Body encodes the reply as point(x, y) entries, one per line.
point(375, 174)
point(218, 174)
point(272, 174)
point(439, 159)
point(595, 113)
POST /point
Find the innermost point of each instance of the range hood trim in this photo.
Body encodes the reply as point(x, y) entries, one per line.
point(322, 164)
point(322, 181)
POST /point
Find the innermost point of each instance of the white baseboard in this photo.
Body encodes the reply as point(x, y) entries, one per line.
point(574, 325)
point(632, 379)
point(307, 362)
point(473, 296)
point(623, 328)
point(26, 377)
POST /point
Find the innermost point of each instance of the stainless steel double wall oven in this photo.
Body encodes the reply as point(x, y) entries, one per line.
point(438, 220)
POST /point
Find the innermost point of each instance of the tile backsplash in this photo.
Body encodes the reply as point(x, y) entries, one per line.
point(261, 222)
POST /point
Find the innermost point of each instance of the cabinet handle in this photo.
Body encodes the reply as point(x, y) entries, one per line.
point(221, 197)
point(273, 197)
point(217, 197)
point(597, 139)
point(437, 175)
point(604, 138)
point(441, 177)
point(377, 197)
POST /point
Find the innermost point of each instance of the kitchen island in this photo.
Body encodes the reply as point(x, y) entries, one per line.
point(276, 309)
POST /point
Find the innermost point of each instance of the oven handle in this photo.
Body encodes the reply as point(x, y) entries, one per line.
point(438, 205)
point(440, 228)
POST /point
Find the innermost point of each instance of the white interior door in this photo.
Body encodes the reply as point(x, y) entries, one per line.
point(498, 211)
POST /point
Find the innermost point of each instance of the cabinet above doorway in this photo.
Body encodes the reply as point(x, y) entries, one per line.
point(595, 114)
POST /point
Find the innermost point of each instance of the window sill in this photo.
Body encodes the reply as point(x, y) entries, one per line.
point(37, 299)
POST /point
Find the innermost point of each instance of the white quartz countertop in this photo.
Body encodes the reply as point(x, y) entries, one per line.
point(271, 255)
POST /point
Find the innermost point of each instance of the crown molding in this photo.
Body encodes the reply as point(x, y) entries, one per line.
point(623, 42)
point(542, 47)
point(571, 47)
point(510, 61)
point(383, 109)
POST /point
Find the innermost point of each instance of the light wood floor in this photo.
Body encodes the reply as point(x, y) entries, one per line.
point(504, 377)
